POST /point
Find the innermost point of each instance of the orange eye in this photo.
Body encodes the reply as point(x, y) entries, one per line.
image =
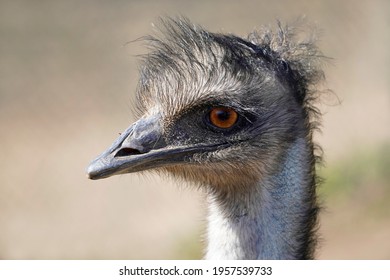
point(223, 117)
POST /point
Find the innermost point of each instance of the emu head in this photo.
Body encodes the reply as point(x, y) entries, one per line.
point(216, 109)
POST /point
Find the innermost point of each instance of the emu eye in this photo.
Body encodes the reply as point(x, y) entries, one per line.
point(223, 117)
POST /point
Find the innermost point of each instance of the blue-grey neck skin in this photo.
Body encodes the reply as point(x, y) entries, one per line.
point(269, 222)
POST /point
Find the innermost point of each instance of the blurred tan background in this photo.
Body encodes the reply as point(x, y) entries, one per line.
point(67, 79)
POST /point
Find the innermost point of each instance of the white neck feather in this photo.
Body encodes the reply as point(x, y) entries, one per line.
point(263, 223)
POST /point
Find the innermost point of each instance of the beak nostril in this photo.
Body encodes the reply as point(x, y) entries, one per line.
point(124, 152)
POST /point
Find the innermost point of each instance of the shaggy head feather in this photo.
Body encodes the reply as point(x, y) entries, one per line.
point(269, 78)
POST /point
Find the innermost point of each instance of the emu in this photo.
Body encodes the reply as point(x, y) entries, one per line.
point(235, 117)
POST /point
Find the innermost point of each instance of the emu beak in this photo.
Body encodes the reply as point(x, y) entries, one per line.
point(142, 146)
point(138, 148)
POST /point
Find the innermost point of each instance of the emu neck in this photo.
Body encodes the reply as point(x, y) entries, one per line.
point(274, 220)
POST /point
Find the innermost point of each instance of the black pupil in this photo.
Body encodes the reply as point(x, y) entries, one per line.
point(223, 115)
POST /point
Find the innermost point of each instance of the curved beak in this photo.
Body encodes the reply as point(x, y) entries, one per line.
point(133, 151)
point(142, 146)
